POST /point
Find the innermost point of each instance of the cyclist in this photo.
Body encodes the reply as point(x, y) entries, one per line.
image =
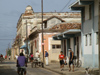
point(71, 59)
point(21, 63)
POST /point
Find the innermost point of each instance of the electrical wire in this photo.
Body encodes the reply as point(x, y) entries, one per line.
point(65, 5)
point(6, 39)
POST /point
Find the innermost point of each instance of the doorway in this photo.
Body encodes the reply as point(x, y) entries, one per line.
point(64, 47)
point(77, 44)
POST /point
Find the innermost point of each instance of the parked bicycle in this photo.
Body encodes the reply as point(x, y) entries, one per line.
point(77, 63)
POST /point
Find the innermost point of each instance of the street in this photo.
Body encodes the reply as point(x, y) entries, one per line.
point(9, 68)
point(55, 37)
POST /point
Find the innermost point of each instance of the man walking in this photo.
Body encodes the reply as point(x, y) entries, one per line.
point(46, 57)
point(9, 57)
point(71, 59)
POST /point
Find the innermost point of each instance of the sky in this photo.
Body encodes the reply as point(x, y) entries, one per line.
point(10, 11)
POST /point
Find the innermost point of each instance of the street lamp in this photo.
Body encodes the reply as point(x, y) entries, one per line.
point(42, 30)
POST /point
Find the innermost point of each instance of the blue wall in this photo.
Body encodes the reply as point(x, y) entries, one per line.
point(88, 60)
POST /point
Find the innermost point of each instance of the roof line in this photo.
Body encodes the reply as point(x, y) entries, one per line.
point(73, 4)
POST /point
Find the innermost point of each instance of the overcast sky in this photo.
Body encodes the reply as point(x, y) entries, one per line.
point(10, 11)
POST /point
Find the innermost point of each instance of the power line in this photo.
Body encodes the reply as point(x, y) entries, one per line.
point(6, 39)
point(65, 6)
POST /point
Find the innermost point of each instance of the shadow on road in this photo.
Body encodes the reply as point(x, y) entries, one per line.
point(7, 62)
point(6, 70)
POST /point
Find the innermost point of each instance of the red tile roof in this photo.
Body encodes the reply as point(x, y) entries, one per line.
point(65, 26)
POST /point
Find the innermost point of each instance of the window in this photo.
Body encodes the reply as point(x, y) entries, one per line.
point(97, 38)
point(53, 47)
point(90, 15)
point(90, 38)
point(86, 40)
point(56, 46)
point(45, 26)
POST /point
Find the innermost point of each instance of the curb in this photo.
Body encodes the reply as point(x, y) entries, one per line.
point(54, 71)
point(59, 71)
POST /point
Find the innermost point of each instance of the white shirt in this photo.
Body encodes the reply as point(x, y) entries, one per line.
point(16, 57)
point(37, 54)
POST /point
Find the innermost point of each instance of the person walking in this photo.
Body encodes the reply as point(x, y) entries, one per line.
point(71, 59)
point(46, 57)
point(5, 56)
point(37, 54)
point(16, 57)
point(61, 59)
point(32, 57)
point(9, 57)
point(1, 57)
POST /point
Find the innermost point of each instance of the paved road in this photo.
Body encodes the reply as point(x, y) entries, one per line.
point(9, 68)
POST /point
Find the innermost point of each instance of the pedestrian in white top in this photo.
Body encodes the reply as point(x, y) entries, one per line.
point(16, 57)
point(37, 54)
point(46, 57)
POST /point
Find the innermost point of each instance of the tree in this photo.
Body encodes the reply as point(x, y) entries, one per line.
point(9, 52)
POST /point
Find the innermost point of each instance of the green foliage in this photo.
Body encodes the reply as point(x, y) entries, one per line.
point(9, 52)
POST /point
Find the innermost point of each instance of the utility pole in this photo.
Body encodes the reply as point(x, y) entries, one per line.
point(26, 41)
point(8, 48)
point(42, 30)
point(99, 31)
point(19, 42)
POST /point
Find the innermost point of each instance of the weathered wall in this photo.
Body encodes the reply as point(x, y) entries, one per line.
point(54, 53)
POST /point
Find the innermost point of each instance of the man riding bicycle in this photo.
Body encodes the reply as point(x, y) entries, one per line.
point(21, 63)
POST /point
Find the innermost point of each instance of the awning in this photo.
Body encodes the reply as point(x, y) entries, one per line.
point(72, 31)
point(67, 34)
point(23, 47)
point(80, 4)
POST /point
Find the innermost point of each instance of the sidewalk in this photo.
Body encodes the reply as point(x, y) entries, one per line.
point(56, 68)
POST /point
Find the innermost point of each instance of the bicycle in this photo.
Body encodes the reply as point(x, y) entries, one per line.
point(1, 59)
point(77, 63)
point(22, 70)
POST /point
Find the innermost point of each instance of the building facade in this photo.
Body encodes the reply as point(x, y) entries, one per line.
point(70, 37)
point(89, 31)
point(30, 22)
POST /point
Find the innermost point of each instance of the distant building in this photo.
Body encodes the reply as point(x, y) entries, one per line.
point(34, 29)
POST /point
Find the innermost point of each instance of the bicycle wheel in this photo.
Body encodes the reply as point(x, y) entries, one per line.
point(80, 63)
point(22, 71)
point(74, 62)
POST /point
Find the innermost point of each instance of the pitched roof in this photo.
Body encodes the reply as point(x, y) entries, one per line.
point(65, 26)
point(53, 17)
